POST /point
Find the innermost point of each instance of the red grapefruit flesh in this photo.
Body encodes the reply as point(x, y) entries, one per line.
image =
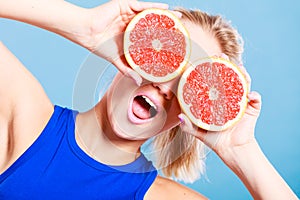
point(156, 45)
point(212, 93)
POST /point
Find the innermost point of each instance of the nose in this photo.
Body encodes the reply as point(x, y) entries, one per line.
point(167, 89)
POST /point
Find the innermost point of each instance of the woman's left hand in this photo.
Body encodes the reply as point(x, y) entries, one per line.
point(239, 135)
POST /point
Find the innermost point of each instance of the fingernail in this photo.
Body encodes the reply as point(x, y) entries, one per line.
point(223, 55)
point(178, 14)
point(181, 119)
point(241, 66)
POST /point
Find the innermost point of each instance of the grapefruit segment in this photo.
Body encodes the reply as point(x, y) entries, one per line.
point(156, 45)
point(212, 93)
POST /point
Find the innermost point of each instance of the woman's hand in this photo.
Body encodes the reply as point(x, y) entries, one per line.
point(99, 29)
point(108, 23)
point(239, 135)
point(239, 150)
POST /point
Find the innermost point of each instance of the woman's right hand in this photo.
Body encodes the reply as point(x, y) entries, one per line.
point(98, 29)
point(108, 23)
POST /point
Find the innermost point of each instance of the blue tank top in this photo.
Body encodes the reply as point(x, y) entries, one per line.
point(55, 167)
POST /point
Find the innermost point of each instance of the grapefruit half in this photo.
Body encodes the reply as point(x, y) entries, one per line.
point(156, 45)
point(212, 92)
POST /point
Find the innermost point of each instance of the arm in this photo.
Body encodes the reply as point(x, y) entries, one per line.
point(240, 151)
point(99, 29)
point(249, 163)
point(24, 109)
point(57, 16)
point(164, 188)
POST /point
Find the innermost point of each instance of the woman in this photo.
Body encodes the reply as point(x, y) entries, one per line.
point(48, 152)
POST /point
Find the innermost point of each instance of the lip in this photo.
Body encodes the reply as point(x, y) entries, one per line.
point(135, 120)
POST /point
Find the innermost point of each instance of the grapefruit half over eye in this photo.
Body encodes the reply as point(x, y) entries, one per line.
point(212, 92)
point(156, 45)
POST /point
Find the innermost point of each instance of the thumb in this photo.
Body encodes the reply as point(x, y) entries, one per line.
point(134, 75)
point(128, 71)
point(254, 105)
point(186, 125)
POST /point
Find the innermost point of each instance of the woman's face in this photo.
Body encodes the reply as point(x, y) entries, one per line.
point(138, 113)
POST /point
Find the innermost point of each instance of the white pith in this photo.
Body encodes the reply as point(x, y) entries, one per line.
point(213, 93)
point(156, 44)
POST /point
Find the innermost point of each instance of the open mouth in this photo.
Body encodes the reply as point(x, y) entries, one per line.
point(143, 108)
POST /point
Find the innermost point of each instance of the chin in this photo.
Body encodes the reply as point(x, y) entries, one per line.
point(126, 129)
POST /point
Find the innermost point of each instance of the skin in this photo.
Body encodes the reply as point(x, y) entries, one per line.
point(24, 101)
point(111, 112)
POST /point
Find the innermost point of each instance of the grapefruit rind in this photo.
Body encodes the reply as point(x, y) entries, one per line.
point(186, 108)
point(178, 25)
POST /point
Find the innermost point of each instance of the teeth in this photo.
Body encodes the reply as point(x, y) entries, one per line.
point(150, 102)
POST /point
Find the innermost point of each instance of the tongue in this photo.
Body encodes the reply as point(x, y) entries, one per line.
point(140, 109)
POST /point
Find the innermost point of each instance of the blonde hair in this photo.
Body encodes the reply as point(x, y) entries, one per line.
point(178, 154)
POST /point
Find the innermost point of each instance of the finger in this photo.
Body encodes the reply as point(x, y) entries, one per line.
point(186, 125)
point(176, 13)
point(224, 56)
point(246, 74)
point(255, 100)
point(140, 5)
point(128, 71)
point(135, 76)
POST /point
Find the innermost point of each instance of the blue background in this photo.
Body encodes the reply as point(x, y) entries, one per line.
point(271, 32)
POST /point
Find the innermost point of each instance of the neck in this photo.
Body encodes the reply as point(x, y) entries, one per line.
point(94, 134)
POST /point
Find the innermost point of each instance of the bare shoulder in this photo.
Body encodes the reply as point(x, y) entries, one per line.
point(163, 188)
point(24, 109)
